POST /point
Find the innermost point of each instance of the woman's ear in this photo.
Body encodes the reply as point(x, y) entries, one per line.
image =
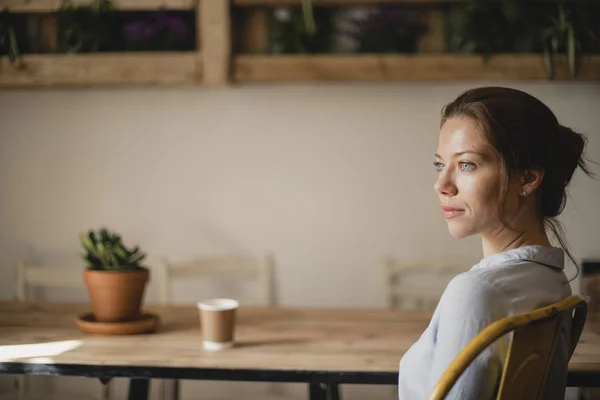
point(531, 180)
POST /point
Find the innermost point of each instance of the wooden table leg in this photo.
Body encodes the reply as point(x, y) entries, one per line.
point(316, 391)
point(333, 391)
point(323, 391)
point(138, 389)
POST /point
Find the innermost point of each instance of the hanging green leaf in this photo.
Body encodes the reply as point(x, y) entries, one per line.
point(571, 51)
point(9, 43)
point(14, 54)
point(309, 17)
point(86, 27)
point(548, 63)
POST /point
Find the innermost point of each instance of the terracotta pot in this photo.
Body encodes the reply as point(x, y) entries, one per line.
point(116, 295)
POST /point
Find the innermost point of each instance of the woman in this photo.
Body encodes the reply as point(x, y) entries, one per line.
point(504, 162)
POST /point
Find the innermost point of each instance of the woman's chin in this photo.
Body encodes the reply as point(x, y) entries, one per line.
point(457, 231)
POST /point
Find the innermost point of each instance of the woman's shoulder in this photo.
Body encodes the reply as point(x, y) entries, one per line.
point(475, 285)
point(470, 299)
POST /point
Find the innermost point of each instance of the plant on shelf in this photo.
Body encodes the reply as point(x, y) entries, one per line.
point(301, 29)
point(86, 28)
point(308, 15)
point(490, 27)
point(388, 29)
point(115, 278)
point(158, 30)
point(508, 26)
point(569, 29)
point(9, 44)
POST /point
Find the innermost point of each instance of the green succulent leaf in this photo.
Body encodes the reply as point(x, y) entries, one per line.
point(87, 242)
point(104, 250)
point(135, 258)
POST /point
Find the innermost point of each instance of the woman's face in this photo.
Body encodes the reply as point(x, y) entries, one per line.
point(469, 180)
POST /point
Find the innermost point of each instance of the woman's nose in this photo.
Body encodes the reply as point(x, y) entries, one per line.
point(445, 184)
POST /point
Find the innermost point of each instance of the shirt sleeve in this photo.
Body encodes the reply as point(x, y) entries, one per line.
point(467, 306)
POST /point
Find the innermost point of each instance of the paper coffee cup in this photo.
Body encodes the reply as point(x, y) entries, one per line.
point(217, 323)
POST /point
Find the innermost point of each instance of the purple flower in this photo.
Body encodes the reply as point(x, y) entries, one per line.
point(138, 30)
point(389, 19)
point(159, 22)
point(388, 29)
point(177, 27)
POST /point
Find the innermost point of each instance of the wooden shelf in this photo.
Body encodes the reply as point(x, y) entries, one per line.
point(102, 69)
point(213, 64)
point(421, 67)
point(42, 6)
point(339, 3)
point(207, 65)
point(336, 3)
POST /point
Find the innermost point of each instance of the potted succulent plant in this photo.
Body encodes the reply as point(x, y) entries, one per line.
point(115, 279)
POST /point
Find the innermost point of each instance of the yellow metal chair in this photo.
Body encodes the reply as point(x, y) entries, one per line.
point(530, 353)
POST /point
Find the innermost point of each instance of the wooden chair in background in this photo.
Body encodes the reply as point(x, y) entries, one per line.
point(47, 277)
point(259, 270)
point(419, 284)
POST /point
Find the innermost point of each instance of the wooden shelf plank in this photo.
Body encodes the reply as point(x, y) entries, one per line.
point(101, 70)
point(29, 5)
point(254, 3)
point(53, 5)
point(337, 3)
point(421, 67)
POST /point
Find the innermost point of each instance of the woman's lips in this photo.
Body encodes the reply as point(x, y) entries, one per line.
point(451, 212)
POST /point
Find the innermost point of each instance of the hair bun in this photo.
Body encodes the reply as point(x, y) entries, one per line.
point(573, 145)
point(560, 170)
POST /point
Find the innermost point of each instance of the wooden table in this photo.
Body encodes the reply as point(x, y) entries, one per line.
point(322, 347)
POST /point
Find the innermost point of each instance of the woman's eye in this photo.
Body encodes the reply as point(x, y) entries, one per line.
point(438, 165)
point(466, 166)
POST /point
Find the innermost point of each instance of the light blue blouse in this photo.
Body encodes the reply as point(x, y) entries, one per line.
point(500, 285)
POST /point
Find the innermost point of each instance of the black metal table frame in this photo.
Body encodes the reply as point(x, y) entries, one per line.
point(323, 385)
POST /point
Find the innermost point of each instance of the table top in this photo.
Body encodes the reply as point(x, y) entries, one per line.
point(285, 344)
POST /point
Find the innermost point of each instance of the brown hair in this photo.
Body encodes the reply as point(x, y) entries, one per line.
point(526, 134)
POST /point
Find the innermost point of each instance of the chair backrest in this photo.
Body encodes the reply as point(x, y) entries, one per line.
point(531, 350)
point(46, 277)
point(419, 284)
point(259, 270)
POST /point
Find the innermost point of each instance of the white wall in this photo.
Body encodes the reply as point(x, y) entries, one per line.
point(329, 178)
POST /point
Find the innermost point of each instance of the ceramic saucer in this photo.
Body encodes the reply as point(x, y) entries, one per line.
point(147, 323)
